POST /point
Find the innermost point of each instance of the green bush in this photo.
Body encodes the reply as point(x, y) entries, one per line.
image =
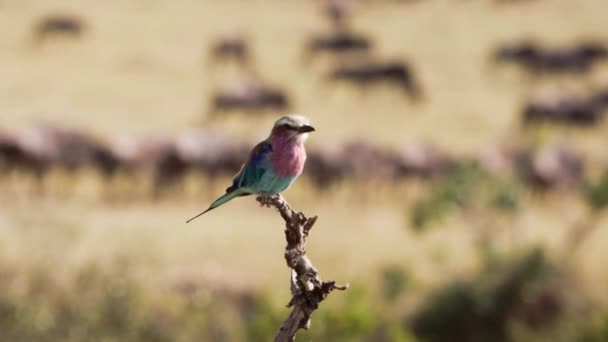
point(481, 308)
point(597, 193)
point(465, 186)
point(394, 282)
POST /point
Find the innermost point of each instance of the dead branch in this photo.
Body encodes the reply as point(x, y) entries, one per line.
point(307, 288)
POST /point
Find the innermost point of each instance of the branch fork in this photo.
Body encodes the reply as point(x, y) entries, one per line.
point(307, 288)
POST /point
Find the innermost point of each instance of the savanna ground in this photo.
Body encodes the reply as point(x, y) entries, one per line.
point(140, 69)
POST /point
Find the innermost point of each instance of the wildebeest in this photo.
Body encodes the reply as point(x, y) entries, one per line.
point(155, 157)
point(337, 43)
point(554, 166)
point(58, 25)
point(211, 153)
point(600, 99)
point(499, 160)
point(566, 109)
point(325, 167)
point(12, 155)
point(249, 96)
point(53, 147)
point(168, 168)
point(524, 53)
point(423, 161)
point(231, 47)
point(362, 160)
point(576, 59)
point(167, 159)
point(369, 73)
point(145, 154)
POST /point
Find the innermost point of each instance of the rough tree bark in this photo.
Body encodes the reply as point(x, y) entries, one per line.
point(307, 288)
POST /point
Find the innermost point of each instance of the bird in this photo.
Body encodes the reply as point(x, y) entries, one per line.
point(273, 164)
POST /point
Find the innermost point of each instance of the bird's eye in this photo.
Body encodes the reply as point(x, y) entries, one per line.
point(288, 126)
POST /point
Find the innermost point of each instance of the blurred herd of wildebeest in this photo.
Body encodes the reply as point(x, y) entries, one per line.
point(44, 147)
point(40, 149)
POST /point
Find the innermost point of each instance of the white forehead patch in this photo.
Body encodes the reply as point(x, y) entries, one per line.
point(293, 120)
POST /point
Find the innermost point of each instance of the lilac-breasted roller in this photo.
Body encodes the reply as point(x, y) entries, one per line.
point(273, 165)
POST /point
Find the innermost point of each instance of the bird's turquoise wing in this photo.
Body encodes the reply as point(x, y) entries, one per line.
point(252, 172)
point(247, 181)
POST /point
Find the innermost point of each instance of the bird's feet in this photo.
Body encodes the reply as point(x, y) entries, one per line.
point(266, 200)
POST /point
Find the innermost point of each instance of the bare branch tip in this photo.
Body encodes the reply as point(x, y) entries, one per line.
point(342, 287)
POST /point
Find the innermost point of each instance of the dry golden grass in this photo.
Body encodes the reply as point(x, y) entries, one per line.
point(140, 69)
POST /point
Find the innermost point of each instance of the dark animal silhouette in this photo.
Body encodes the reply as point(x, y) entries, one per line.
point(362, 160)
point(577, 59)
point(336, 43)
point(146, 154)
point(525, 53)
point(153, 156)
point(367, 74)
point(600, 99)
point(423, 161)
point(48, 146)
point(552, 167)
point(15, 157)
point(58, 25)
point(324, 167)
point(594, 51)
point(11, 154)
point(168, 169)
point(211, 153)
point(569, 110)
point(168, 159)
point(249, 96)
point(234, 47)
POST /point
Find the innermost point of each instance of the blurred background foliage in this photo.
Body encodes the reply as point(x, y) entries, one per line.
point(459, 168)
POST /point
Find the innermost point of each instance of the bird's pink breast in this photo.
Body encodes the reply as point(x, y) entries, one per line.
point(288, 158)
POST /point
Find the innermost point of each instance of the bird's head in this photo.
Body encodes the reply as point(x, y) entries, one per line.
point(292, 127)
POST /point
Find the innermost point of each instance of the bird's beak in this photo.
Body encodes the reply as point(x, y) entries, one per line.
point(306, 129)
